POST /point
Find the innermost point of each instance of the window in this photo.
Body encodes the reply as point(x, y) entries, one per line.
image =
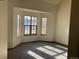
point(30, 25)
point(18, 31)
point(44, 25)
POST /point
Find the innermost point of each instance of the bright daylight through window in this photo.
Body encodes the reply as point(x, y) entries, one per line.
point(44, 26)
point(30, 25)
point(18, 27)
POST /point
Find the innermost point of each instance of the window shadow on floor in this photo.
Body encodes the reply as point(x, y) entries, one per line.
point(38, 50)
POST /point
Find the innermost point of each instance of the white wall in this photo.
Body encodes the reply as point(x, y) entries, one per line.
point(3, 29)
point(63, 22)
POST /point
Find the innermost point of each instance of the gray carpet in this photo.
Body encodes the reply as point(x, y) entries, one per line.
point(38, 50)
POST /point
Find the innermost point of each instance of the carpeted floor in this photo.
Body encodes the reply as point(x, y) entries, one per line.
point(38, 50)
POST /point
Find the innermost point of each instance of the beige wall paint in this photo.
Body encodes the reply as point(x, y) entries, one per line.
point(16, 39)
point(33, 5)
point(63, 19)
point(63, 22)
point(50, 29)
point(51, 22)
point(27, 4)
point(3, 29)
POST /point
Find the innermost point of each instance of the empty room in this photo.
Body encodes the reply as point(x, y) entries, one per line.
point(39, 29)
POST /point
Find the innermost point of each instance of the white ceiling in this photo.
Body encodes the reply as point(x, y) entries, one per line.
point(55, 2)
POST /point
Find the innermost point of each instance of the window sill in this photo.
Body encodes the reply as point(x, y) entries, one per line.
point(44, 34)
point(30, 34)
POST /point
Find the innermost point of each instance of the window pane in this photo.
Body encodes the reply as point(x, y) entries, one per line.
point(18, 25)
point(44, 25)
point(27, 29)
point(33, 30)
point(34, 20)
point(27, 20)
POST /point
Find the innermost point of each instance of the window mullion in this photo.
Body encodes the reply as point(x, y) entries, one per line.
point(31, 25)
